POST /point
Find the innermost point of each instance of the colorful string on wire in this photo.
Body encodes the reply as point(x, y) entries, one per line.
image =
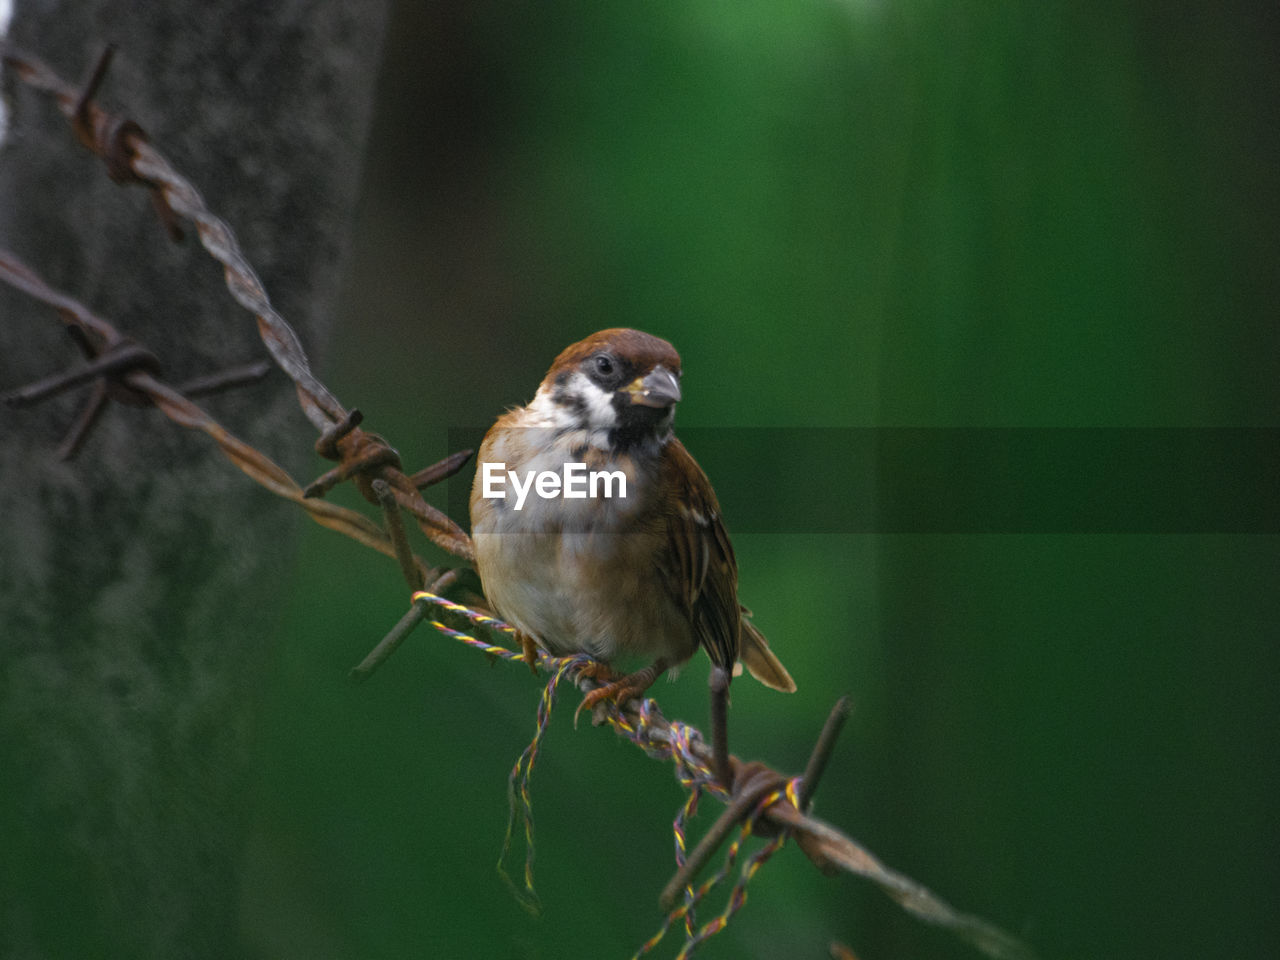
point(671, 739)
point(695, 935)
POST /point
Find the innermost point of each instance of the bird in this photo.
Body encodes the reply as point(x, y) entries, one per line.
point(617, 548)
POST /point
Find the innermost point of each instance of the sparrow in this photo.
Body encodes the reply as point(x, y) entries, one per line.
point(617, 548)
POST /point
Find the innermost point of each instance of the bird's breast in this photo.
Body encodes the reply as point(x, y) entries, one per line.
point(576, 573)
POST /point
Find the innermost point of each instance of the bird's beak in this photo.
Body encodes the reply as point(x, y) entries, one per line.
point(658, 388)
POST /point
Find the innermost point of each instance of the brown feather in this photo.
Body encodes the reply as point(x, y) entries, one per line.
point(643, 350)
point(707, 581)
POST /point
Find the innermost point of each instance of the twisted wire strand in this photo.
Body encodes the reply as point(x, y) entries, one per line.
point(319, 405)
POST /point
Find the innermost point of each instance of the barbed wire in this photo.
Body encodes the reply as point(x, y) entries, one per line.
point(129, 370)
point(763, 802)
point(123, 146)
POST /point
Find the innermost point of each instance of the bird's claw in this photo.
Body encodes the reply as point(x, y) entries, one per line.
point(530, 651)
point(619, 691)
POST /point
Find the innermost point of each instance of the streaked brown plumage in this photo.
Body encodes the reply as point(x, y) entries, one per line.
point(651, 574)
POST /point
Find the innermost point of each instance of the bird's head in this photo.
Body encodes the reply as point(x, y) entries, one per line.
point(620, 385)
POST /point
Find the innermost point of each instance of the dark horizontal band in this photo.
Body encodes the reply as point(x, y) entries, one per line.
point(892, 480)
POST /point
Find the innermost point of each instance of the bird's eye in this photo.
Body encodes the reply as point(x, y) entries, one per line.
point(604, 366)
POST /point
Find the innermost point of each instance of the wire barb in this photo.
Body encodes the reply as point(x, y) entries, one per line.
point(821, 755)
point(409, 565)
point(110, 364)
point(228, 379)
point(98, 73)
point(416, 614)
point(369, 458)
point(442, 470)
point(327, 444)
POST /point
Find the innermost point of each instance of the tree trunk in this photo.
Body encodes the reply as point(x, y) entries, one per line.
point(139, 582)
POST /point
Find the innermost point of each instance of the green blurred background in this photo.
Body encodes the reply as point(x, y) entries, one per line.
point(844, 214)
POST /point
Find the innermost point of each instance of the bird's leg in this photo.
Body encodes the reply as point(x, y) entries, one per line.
point(624, 688)
point(530, 650)
point(720, 727)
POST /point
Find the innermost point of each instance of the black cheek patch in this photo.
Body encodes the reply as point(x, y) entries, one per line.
point(572, 401)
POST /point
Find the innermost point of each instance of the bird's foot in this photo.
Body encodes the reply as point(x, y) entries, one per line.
point(618, 689)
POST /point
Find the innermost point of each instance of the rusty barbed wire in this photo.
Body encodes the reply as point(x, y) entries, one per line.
point(762, 802)
point(123, 146)
point(785, 814)
point(142, 381)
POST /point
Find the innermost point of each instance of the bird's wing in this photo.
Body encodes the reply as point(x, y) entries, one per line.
point(704, 570)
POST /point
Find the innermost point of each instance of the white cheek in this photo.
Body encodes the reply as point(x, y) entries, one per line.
point(574, 429)
point(600, 412)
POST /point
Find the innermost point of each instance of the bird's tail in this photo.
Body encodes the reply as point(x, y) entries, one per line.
point(760, 661)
